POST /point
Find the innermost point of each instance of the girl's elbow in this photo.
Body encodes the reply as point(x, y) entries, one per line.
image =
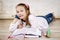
point(11, 30)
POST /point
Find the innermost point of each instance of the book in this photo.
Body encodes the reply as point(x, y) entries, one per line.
point(27, 32)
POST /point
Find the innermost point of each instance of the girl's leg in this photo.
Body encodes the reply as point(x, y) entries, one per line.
point(48, 17)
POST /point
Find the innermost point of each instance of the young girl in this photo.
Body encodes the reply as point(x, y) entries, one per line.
point(24, 22)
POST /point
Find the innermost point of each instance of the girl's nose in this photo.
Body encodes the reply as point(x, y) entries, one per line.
point(19, 13)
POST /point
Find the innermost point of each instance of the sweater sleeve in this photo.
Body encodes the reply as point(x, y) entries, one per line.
point(43, 23)
point(38, 22)
point(13, 27)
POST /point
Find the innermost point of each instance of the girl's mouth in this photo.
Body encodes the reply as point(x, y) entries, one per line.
point(20, 15)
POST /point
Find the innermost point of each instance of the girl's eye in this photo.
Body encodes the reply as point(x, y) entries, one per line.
point(21, 10)
point(17, 11)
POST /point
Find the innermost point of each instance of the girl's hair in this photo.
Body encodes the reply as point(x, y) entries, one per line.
point(27, 9)
point(25, 6)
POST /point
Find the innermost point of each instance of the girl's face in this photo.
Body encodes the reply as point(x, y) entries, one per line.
point(21, 12)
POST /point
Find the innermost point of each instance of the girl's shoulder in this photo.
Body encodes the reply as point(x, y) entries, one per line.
point(34, 18)
point(31, 17)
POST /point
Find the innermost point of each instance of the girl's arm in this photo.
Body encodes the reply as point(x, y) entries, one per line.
point(14, 24)
point(15, 19)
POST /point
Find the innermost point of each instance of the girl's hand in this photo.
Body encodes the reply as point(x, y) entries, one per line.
point(20, 26)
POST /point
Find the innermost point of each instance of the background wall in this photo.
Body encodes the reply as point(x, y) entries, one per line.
point(37, 7)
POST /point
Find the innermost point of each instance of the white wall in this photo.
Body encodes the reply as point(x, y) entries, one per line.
point(37, 7)
point(0, 7)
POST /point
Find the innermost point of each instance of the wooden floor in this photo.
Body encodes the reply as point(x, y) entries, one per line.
point(55, 29)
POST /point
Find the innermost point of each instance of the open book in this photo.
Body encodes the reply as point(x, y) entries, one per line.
point(27, 32)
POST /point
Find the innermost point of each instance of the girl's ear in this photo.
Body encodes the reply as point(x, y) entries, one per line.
point(17, 17)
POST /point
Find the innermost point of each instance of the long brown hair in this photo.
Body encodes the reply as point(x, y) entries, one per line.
point(27, 9)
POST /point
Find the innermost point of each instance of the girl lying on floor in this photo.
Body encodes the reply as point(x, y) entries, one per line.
point(25, 23)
